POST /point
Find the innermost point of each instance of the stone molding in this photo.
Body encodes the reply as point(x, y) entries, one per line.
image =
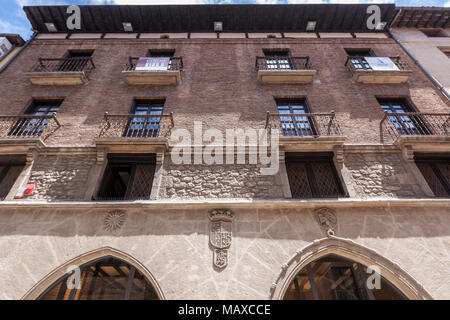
point(232, 203)
point(348, 249)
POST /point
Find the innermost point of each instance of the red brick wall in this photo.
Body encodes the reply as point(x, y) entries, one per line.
point(219, 85)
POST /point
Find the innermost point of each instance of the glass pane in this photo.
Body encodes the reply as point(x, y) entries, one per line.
point(336, 278)
point(294, 125)
point(300, 288)
point(105, 279)
point(334, 282)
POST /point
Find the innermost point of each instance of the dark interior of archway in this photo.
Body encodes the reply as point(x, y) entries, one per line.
point(103, 279)
point(335, 278)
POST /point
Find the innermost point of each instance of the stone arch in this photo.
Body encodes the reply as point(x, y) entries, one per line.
point(59, 272)
point(349, 249)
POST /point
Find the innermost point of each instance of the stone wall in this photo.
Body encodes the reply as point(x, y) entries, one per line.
point(381, 175)
point(219, 181)
point(173, 244)
point(60, 177)
point(370, 175)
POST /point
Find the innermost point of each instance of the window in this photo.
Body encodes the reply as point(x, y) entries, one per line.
point(410, 124)
point(103, 279)
point(10, 169)
point(336, 278)
point(128, 177)
point(357, 58)
point(34, 126)
point(80, 53)
point(147, 125)
point(163, 54)
point(294, 124)
point(436, 171)
point(277, 59)
point(312, 175)
point(434, 33)
point(75, 60)
point(4, 48)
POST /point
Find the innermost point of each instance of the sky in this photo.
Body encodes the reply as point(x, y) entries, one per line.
point(14, 20)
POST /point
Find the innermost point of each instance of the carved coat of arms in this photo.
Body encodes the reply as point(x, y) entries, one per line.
point(220, 235)
point(326, 219)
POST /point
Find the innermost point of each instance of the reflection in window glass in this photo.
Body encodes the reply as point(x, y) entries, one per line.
point(336, 278)
point(104, 279)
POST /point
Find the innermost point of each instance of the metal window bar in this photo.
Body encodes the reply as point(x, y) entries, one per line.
point(26, 126)
point(144, 126)
point(136, 126)
point(304, 124)
point(76, 64)
point(313, 179)
point(394, 125)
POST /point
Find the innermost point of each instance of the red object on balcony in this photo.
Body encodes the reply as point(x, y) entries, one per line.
point(29, 189)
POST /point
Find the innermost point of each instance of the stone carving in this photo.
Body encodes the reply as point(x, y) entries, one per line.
point(326, 219)
point(220, 235)
point(220, 258)
point(114, 220)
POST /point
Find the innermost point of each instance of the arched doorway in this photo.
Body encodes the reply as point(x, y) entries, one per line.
point(336, 278)
point(101, 274)
point(345, 252)
point(107, 278)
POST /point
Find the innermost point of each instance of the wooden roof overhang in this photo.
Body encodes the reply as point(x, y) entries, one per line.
point(200, 18)
point(421, 17)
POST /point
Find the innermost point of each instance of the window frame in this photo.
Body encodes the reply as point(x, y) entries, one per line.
point(6, 163)
point(432, 160)
point(359, 278)
point(34, 127)
point(312, 129)
point(144, 127)
point(279, 59)
point(314, 157)
point(133, 270)
point(410, 125)
point(132, 161)
point(358, 61)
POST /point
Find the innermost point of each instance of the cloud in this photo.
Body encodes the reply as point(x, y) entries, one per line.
point(234, 1)
point(18, 28)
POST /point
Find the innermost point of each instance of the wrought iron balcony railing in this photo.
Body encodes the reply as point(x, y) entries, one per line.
point(136, 126)
point(304, 125)
point(360, 63)
point(394, 125)
point(77, 64)
point(175, 63)
point(283, 63)
point(28, 126)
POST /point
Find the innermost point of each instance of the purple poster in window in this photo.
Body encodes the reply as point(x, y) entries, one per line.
point(160, 63)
